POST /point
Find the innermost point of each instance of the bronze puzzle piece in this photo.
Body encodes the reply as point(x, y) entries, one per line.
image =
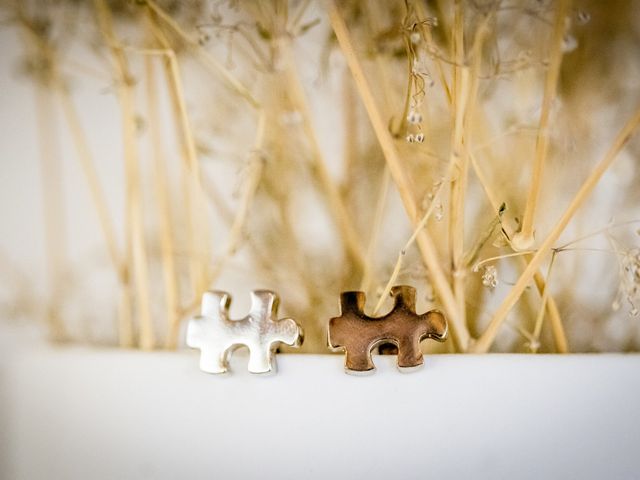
point(358, 334)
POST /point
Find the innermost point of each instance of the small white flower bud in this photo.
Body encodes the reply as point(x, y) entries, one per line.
point(490, 277)
point(414, 117)
point(583, 17)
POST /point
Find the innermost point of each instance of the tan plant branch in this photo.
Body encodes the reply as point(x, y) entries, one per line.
point(524, 239)
point(135, 228)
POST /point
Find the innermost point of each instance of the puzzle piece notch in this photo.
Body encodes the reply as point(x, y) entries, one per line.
point(217, 336)
point(358, 334)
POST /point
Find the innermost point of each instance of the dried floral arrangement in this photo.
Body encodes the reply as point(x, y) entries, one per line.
point(486, 155)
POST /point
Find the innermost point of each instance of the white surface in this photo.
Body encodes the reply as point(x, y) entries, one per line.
point(75, 413)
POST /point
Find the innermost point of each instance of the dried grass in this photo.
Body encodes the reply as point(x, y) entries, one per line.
point(450, 178)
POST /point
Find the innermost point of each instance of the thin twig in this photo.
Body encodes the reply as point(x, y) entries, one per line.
point(336, 203)
point(537, 330)
point(198, 227)
point(167, 247)
point(54, 210)
point(524, 239)
point(596, 232)
point(134, 194)
point(421, 225)
point(477, 266)
point(367, 274)
point(87, 165)
point(426, 32)
point(253, 178)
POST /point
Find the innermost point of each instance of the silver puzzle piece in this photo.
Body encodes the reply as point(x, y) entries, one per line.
point(217, 336)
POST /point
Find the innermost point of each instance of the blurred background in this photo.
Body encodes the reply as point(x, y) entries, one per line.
point(153, 150)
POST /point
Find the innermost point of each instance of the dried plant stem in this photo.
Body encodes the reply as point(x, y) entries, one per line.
point(466, 90)
point(350, 136)
point(106, 224)
point(53, 208)
point(336, 203)
point(125, 322)
point(459, 331)
point(51, 178)
point(598, 231)
point(134, 195)
point(420, 227)
point(253, 177)
point(557, 328)
point(537, 329)
point(215, 198)
point(555, 320)
point(457, 45)
point(374, 17)
point(408, 96)
point(486, 339)
point(87, 165)
point(125, 316)
point(459, 162)
point(477, 266)
point(367, 274)
point(299, 12)
point(198, 231)
point(488, 233)
point(375, 21)
point(426, 33)
point(198, 225)
point(524, 238)
point(167, 246)
point(209, 61)
point(464, 104)
point(255, 174)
